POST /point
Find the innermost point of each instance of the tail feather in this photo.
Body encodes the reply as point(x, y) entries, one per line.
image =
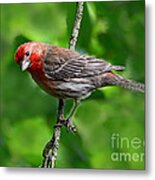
point(118, 68)
point(112, 79)
point(129, 84)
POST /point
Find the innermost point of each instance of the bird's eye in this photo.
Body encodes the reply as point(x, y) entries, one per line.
point(27, 53)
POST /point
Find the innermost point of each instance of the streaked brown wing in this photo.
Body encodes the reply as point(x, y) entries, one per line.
point(78, 67)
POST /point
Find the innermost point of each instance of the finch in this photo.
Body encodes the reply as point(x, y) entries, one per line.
point(64, 73)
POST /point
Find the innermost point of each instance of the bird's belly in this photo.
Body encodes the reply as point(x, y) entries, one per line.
point(75, 88)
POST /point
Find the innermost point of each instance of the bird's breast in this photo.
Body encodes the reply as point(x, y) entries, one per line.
point(46, 84)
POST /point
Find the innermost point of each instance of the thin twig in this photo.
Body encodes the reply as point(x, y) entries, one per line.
point(50, 151)
point(76, 27)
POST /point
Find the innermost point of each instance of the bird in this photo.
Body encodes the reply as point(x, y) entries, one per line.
point(68, 74)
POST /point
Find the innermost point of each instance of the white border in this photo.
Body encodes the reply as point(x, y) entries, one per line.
point(31, 1)
point(39, 174)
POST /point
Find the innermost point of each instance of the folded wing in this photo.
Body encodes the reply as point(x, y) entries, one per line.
point(78, 67)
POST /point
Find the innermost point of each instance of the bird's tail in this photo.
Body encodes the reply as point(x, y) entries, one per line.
point(115, 79)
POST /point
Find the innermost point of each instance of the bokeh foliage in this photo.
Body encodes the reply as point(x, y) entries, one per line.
point(110, 30)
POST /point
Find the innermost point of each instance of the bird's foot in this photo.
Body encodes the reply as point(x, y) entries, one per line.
point(68, 124)
point(70, 127)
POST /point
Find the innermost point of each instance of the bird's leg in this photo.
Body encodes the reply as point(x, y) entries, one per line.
point(61, 109)
point(61, 120)
point(68, 122)
point(60, 116)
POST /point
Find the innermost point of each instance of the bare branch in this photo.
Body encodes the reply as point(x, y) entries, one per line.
point(50, 151)
point(76, 27)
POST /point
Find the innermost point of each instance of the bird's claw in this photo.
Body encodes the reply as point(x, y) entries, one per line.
point(67, 123)
point(70, 127)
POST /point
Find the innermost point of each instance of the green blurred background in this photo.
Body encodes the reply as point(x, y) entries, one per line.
point(110, 30)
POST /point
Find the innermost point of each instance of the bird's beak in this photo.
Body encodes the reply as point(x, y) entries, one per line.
point(25, 64)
